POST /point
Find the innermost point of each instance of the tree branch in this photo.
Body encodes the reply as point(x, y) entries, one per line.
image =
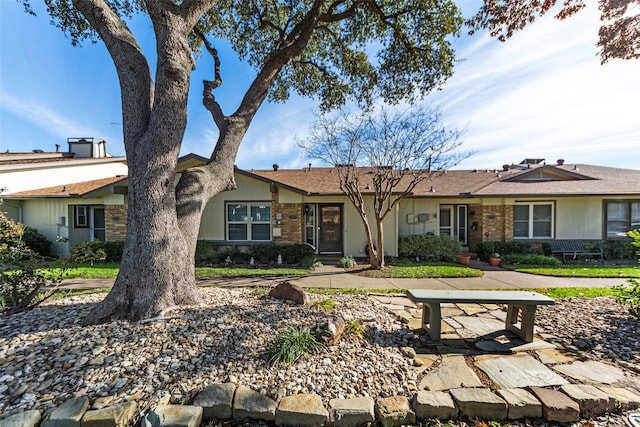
point(131, 65)
point(208, 98)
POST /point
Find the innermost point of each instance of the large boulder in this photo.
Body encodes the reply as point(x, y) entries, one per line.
point(289, 292)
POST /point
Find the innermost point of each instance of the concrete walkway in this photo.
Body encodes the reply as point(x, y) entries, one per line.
point(332, 277)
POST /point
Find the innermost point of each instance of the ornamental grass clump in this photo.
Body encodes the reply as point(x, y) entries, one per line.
point(292, 344)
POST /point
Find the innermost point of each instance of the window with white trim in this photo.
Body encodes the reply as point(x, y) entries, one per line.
point(249, 221)
point(81, 217)
point(621, 217)
point(533, 220)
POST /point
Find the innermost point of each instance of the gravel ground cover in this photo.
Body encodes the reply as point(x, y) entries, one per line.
point(46, 356)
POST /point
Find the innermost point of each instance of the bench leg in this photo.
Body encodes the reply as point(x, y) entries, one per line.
point(525, 331)
point(431, 316)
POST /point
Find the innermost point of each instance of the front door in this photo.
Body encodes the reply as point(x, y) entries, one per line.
point(453, 222)
point(330, 229)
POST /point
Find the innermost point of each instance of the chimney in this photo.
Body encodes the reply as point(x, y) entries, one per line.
point(560, 162)
point(276, 167)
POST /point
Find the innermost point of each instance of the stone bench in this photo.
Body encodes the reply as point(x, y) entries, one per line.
point(518, 302)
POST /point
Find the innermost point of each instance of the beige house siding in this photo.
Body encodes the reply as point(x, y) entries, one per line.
point(213, 223)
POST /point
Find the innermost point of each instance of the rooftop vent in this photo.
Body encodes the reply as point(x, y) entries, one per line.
point(505, 167)
point(276, 167)
point(560, 162)
point(88, 147)
point(532, 162)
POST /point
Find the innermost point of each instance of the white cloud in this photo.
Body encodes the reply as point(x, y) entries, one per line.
point(42, 116)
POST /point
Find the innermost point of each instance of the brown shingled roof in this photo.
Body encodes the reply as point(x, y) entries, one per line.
point(78, 189)
point(579, 180)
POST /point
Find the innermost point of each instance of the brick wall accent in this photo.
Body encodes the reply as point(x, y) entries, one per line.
point(291, 224)
point(115, 218)
point(494, 223)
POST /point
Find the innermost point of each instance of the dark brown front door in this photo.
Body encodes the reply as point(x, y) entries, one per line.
point(330, 229)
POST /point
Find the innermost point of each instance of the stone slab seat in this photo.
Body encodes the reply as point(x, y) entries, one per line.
point(523, 302)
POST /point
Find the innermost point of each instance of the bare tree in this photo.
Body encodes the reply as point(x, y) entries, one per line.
point(381, 156)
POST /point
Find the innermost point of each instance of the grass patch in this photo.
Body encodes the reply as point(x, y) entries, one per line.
point(422, 271)
point(213, 272)
point(584, 271)
point(107, 270)
point(575, 292)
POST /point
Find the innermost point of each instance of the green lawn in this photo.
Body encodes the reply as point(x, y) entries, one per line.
point(423, 271)
point(213, 272)
point(110, 271)
point(584, 271)
point(576, 292)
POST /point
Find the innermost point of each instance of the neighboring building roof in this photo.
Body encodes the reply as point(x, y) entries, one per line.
point(534, 181)
point(586, 180)
point(79, 189)
point(10, 162)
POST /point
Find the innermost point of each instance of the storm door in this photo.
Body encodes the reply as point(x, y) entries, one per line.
point(330, 229)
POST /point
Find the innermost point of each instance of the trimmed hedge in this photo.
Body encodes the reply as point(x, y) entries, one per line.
point(428, 247)
point(487, 250)
point(112, 249)
point(37, 241)
point(291, 253)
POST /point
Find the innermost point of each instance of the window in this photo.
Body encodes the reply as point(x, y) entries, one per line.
point(81, 217)
point(533, 221)
point(249, 221)
point(621, 217)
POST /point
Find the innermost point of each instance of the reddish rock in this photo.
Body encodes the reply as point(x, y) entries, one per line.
point(289, 292)
point(556, 406)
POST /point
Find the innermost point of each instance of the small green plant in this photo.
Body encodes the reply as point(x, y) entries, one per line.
point(355, 327)
point(325, 304)
point(292, 344)
point(629, 296)
point(346, 262)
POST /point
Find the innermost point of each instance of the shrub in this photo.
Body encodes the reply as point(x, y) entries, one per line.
point(293, 344)
point(428, 247)
point(629, 296)
point(88, 252)
point(486, 250)
point(346, 262)
point(531, 259)
point(618, 249)
point(296, 253)
point(37, 241)
point(97, 251)
point(21, 289)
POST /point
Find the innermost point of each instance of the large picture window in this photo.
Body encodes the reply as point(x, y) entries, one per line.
point(249, 221)
point(621, 217)
point(533, 220)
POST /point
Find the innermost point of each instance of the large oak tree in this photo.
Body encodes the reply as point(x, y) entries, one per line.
point(333, 51)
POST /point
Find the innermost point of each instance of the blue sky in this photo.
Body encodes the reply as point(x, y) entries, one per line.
point(543, 94)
